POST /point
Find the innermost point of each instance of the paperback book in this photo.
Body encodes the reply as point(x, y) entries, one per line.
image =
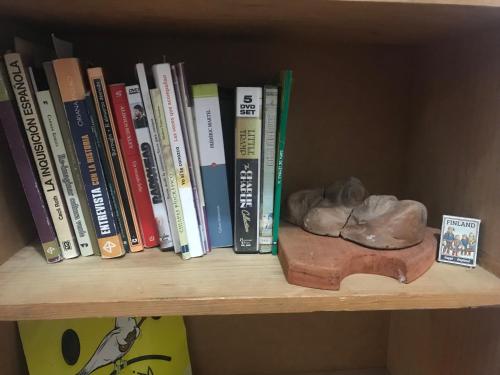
point(114, 157)
point(213, 164)
point(188, 130)
point(41, 154)
point(133, 164)
point(65, 174)
point(150, 166)
point(108, 180)
point(72, 90)
point(73, 171)
point(178, 216)
point(154, 131)
point(163, 78)
point(11, 125)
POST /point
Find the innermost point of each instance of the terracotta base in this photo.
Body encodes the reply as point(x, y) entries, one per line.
point(323, 262)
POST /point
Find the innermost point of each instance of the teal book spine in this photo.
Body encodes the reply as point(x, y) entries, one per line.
point(286, 89)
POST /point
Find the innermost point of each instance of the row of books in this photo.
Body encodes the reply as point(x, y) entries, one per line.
point(110, 169)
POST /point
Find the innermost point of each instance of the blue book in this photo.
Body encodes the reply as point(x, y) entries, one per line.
point(213, 164)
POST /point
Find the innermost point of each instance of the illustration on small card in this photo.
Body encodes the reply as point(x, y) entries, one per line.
point(459, 239)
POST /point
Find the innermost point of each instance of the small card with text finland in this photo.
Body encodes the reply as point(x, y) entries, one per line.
point(459, 239)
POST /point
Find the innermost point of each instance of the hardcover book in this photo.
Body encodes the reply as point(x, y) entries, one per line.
point(270, 118)
point(188, 130)
point(72, 90)
point(157, 147)
point(178, 216)
point(459, 240)
point(150, 166)
point(133, 164)
point(65, 174)
point(286, 90)
point(41, 154)
point(73, 171)
point(104, 346)
point(114, 156)
point(25, 169)
point(163, 78)
point(247, 172)
point(213, 164)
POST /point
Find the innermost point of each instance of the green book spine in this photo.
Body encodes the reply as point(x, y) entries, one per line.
point(286, 89)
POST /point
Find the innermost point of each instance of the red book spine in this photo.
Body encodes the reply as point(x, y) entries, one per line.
point(133, 164)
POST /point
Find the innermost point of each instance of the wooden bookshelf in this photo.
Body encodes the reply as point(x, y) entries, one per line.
point(380, 85)
point(155, 283)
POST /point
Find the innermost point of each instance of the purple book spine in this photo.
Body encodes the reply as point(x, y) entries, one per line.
point(15, 139)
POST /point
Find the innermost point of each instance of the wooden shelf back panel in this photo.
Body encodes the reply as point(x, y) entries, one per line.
point(375, 20)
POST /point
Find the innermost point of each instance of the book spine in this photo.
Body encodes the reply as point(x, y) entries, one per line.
point(41, 154)
point(25, 169)
point(70, 82)
point(247, 172)
point(64, 171)
point(163, 79)
point(150, 165)
point(114, 156)
point(133, 164)
point(286, 89)
point(200, 215)
point(178, 215)
point(270, 116)
point(108, 177)
point(213, 164)
point(157, 147)
point(72, 160)
point(187, 103)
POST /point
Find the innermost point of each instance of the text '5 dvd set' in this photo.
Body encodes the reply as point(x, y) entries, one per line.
point(110, 168)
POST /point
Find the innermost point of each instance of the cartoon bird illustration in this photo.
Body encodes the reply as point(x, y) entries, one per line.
point(115, 344)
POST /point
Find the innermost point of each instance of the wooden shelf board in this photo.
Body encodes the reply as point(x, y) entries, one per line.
point(155, 283)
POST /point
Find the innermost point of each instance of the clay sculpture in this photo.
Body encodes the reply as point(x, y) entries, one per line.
point(345, 210)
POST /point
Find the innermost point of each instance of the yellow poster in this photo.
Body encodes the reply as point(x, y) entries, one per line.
point(107, 346)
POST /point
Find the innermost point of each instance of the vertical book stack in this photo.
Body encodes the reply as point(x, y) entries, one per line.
point(114, 168)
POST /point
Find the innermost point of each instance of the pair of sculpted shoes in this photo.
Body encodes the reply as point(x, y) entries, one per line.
point(345, 210)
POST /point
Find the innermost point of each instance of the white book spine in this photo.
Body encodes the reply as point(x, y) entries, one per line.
point(163, 79)
point(187, 126)
point(41, 154)
point(150, 165)
point(268, 166)
point(64, 171)
point(162, 170)
point(178, 216)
